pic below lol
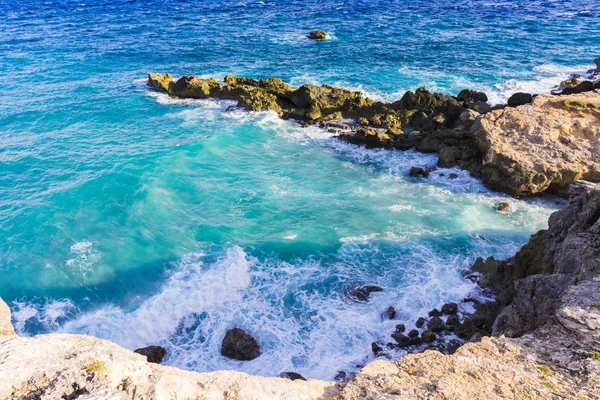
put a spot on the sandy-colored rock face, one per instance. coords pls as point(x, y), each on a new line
point(6, 328)
point(553, 141)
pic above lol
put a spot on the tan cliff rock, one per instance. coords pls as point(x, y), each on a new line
point(553, 141)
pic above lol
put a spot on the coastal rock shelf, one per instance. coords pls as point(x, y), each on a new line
point(554, 304)
point(523, 150)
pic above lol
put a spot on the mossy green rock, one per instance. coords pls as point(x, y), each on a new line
point(260, 100)
point(317, 35)
point(159, 81)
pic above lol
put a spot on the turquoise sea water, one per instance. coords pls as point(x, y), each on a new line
point(145, 220)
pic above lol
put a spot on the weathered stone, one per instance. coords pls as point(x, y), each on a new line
point(435, 324)
point(453, 320)
point(449, 308)
point(435, 313)
point(390, 313)
point(293, 376)
point(317, 35)
point(376, 348)
point(519, 99)
point(6, 327)
point(154, 354)
point(402, 340)
point(504, 206)
point(472, 96)
point(420, 322)
point(428, 336)
point(362, 293)
point(400, 328)
point(239, 345)
point(413, 333)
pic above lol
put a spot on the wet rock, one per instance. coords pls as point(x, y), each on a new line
point(362, 293)
point(584, 86)
point(413, 333)
point(435, 313)
point(448, 156)
point(376, 349)
point(400, 328)
point(317, 35)
point(468, 116)
point(453, 320)
point(472, 96)
point(292, 376)
point(519, 99)
point(341, 376)
point(160, 81)
point(416, 341)
point(435, 324)
point(390, 313)
point(154, 354)
point(452, 176)
point(428, 336)
point(452, 346)
point(480, 107)
point(239, 345)
point(420, 322)
point(450, 308)
point(402, 340)
point(421, 171)
point(504, 206)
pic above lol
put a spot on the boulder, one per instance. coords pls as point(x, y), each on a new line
point(317, 35)
point(362, 293)
point(376, 349)
point(435, 324)
point(480, 107)
point(420, 322)
point(239, 345)
point(504, 206)
point(448, 156)
point(159, 81)
point(400, 328)
point(472, 96)
point(413, 333)
point(453, 320)
point(435, 313)
point(583, 86)
point(519, 99)
point(421, 171)
point(154, 354)
point(450, 308)
point(428, 336)
point(403, 341)
point(292, 376)
point(390, 313)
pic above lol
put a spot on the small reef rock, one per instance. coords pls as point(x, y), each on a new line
point(154, 354)
point(317, 35)
point(534, 144)
point(361, 294)
point(239, 345)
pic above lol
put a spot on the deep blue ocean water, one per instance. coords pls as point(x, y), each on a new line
point(145, 220)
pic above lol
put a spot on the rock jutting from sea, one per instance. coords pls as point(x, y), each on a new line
point(543, 145)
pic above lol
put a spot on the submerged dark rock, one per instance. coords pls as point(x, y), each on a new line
point(376, 348)
point(472, 96)
point(362, 293)
point(402, 340)
point(154, 354)
point(400, 328)
point(390, 313)
point(239, 345)
point(504, 206)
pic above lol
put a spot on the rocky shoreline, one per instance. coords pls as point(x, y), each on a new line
point(545, 342)
point(528, 146)
point(539, 339)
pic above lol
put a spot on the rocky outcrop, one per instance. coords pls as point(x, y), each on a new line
point(239, 345)
point(531, 146)
point(6, 328)
point(548, 144)
point(317, 35)
point(533, 282)
point(154, 354)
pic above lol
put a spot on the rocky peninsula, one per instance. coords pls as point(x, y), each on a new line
point(530, 145)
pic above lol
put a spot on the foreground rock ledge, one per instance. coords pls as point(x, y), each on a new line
point(522, 150)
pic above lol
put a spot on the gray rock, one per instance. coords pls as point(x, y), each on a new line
point(449, 308)
point(420, 322)
point(362, 293)
point(435, 324)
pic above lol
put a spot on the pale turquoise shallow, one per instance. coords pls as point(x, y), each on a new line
point(141, 219)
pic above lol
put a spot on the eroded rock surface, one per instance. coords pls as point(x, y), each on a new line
point(550, 143)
